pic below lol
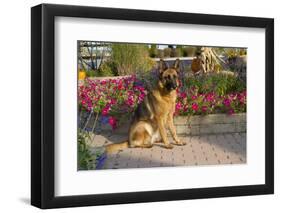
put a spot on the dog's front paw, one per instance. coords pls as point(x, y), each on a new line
point(168, 146)
point(180, 143)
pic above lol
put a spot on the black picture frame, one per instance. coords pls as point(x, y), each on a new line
point(43, 102)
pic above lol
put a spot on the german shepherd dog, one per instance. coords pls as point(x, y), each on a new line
point(151, 116)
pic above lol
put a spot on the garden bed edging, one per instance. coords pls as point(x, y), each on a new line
point(198, 124)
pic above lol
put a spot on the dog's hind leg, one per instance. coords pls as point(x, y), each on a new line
point(140, 138)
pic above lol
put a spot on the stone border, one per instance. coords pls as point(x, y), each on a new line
point(198, 124)
point(211, 124)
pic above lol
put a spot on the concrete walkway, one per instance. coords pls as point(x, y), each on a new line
point(199, 150)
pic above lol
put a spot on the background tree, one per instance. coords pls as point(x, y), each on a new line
point(131, 58)
point(176, 52)
point(160, 53)
point(188, 51)
point(153, 51)
point(167, 52)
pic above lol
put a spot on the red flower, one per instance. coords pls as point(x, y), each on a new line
point(178, 106)
point(120, 85)
point(105, 110)
point(226, 102)
point(112, 122)
point(194, 106)
point(183, 95)
point(103, 82)
point(210, 97)
point(113, 101)
point(204, 108)
point(194, 97)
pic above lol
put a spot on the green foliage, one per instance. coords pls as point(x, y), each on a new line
point(107, 69)
point(243, 51)
point(160, 53)
point(131, 58)
point(153, 51)
point(219, 50)
point(234, 52)
point(86, 158)
point(176, 52)
point(188, 51)
point(92, 73)
point(167, 52)
point(218, 83)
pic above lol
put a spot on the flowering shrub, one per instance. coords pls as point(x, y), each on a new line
point(218, 83)
point(208, 94)
point(192, 103)
point(115, 99)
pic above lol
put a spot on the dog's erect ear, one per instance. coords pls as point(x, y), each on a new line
point(162, 65)
point(177, 65)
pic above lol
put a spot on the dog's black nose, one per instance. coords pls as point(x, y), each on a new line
point(172, 87)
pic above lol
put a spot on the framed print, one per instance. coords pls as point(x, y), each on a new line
point(141, 106)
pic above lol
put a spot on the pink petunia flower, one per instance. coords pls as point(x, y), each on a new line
point(178, 106)
point(226, 102)
point(182, 95)
point(105, 110)
point(112, 121)
point(194, 106)
point(204, 108)
point(194, 97)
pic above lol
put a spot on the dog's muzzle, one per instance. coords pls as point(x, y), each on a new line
point(171, 86)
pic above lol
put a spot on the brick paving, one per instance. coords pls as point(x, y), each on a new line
point(228, 148)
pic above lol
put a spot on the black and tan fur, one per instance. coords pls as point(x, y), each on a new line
point(155, 113)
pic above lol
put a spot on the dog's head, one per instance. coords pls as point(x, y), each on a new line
point(168, 77)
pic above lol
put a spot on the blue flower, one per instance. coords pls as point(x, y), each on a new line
point(101, 161)
point(104, 119)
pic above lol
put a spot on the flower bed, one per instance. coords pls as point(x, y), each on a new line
point(191, 102)
point(115, 99)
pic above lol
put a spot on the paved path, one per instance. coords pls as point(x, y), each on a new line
point(199, 150)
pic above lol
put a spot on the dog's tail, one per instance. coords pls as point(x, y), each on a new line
point(112, 148)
